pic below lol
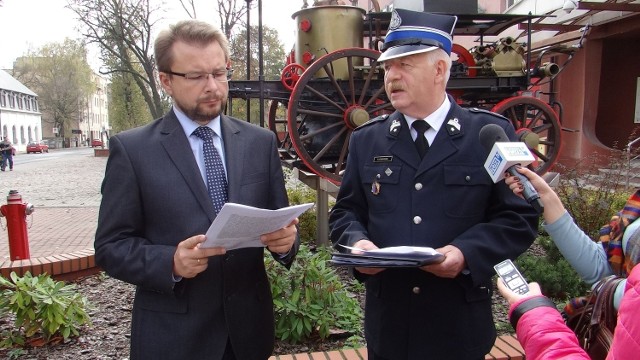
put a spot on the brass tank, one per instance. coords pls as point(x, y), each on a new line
point(324, 29)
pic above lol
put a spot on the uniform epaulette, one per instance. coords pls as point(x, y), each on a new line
point(478, 110)
point(374, 120)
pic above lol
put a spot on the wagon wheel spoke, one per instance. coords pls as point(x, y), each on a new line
point(343, 155)
point(352, 85)
point(319, 131)
point(375, 97)
point(367, 82)
point(328, 145)
point(334, 82)
point(319, 113)
point(540, 155)
point(323, 97)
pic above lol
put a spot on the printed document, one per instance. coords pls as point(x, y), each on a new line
point(240, 226)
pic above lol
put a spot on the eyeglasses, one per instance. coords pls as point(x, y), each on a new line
point(221, 76)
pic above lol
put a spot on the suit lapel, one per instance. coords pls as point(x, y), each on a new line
point(402, 145)
point(445, 143)
point(234, 149)
point(179, 151)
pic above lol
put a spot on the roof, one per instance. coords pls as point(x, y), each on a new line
point(8, 82)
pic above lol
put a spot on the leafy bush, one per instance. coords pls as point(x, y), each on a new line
point(557, 278)
point(300, 193)
point(591, 196)
point(40, 306)
point(310, 299)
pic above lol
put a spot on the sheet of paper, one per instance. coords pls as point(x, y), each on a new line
point(396, 250)
point(240, 226)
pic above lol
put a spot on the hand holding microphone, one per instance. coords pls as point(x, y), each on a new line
point(506, 156)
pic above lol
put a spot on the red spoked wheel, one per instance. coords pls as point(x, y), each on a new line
point(463, 56)
point(537, 125)
point(337, 93)
point(290, 75)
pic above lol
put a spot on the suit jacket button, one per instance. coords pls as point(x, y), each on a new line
point(418, 186)
point(416, 290)
point(417, 220)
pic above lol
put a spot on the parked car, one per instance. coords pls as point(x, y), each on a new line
point(96, 143)
point(37, 147)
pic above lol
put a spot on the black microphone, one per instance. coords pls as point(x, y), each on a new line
point(506, 156)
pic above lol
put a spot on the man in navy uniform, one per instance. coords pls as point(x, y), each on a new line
point(433, 192)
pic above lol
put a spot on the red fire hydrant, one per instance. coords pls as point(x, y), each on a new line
point(16, 213)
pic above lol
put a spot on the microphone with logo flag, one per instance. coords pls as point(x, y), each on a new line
point(506, 156)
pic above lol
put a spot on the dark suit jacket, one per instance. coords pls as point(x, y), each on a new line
point(447, 198)
point(153, 198)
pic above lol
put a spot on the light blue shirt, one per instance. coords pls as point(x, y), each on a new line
point(196, 143)
point(587, 257)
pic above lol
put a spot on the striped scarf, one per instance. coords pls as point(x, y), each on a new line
point(622, 260)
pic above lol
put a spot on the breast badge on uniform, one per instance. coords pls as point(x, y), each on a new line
point(453, 126)
point(375, 185)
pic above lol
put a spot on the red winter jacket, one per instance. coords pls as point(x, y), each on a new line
point(543, 334)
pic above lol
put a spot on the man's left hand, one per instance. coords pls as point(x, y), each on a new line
point(452, 265)
point(281, 240)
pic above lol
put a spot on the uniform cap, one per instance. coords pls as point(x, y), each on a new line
point(414, 32)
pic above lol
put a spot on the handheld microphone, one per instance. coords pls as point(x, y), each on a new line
point(506, 156)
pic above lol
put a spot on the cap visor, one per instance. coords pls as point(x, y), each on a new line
point(404, 50)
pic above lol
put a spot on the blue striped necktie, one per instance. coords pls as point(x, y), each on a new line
point(216, 178)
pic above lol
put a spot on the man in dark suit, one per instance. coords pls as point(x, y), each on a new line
point(391, 196)
point(192, 302)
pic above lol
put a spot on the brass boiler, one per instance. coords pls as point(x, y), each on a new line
point(324, 29)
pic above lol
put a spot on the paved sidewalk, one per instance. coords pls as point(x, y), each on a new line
point(64, 187)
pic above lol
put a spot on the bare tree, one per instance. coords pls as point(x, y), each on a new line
point(122, 29)
point(189, 8)
point(231, 13)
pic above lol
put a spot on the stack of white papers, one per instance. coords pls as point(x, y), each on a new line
point(240, 226)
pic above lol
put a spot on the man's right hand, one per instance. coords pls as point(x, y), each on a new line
point(189, 259)
point(366, 245)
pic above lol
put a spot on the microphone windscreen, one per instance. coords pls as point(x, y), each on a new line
point(490, 134)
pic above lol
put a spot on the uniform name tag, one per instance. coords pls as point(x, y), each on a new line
point(380, 159)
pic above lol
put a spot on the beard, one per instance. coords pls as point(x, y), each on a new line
point(202, 113)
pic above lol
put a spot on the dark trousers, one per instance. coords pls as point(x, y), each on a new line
point(6, 158)
point(228, 352)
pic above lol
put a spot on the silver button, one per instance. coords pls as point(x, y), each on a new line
point(418, 186)
point(467, 178)
point(416, 290)
point(417, 220)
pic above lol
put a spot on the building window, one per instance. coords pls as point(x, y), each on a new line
point(510, 3)
point(12, 100)
point(3, 98)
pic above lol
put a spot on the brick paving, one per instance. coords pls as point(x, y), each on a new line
point(64, 187)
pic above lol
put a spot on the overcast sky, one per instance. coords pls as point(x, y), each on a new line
point(29, 24)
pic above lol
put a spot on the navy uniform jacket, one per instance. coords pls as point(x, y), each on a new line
point(447, 198)
point(153, 197)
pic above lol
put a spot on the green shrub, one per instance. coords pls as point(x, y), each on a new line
point(557, 278)
point(302, 194)
point(40, 306)
point(592, 196)
point(311, 300)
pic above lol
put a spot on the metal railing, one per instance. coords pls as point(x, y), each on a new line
point(631, 157)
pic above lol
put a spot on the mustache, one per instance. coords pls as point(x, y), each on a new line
point(395, 86)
